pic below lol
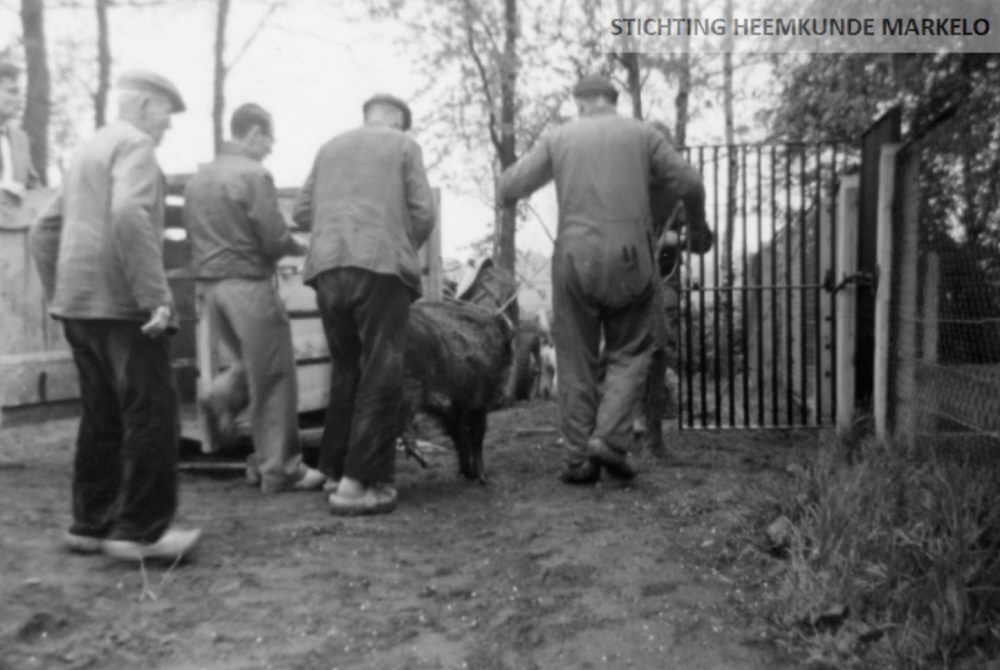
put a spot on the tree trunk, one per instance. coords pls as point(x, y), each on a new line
point(103, 65)
point(727, 85)
point(36, 111)
point(684, 85)
point(506, 256)
point(219, 83)
point(630, 60)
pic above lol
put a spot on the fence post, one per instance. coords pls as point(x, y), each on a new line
point(883, 297)
point(430, 256)
point(847, 299)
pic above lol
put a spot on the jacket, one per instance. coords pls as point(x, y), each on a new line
point(368, 204)
point(16, 177)
point(99, 245)
point(235, 225)
point(603, 165)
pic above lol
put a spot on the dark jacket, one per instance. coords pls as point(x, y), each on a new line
point(231, 212)
point(368, 204)
point(603, 165)
point(99, 245)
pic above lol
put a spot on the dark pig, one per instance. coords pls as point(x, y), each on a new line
point(458, 360)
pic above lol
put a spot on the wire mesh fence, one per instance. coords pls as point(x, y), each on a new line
point(944, 376)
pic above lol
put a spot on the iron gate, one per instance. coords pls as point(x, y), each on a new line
point(757, 312)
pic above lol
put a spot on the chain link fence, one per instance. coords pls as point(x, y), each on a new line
point(944, 376)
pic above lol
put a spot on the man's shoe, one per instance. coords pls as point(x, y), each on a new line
point(82, 544)
point(587, 472)
point(615, 462)
point(174, 545)
point(374, 499)
point(312, 480)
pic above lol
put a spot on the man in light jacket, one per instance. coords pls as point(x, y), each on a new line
point(99, 251)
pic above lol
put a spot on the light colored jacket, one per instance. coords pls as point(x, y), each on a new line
point(368, 204)
point(603, 165)
point(99, 245)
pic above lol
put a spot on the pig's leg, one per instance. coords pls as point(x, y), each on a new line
point(455, 425)
point(477, 433)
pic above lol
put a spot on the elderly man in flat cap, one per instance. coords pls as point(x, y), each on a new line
point(603, 268)
point(370, 207)
point(99, 251)
point(238, 235)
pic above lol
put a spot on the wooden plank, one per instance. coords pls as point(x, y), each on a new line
point(309, 339)
point(205, 340)
point(847, 304)
point(430, 256)
point(314, 387)
point(883, 297)
point(296, 296)
point(905, 350)
point(38, 377)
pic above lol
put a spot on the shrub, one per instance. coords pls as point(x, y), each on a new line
point(892, 556)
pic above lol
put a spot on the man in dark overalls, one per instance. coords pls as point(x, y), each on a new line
point(603, 269)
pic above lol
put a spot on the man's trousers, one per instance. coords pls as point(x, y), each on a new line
point(125, 469)
point(254, 333)
point(364, 316)
point(585, 408)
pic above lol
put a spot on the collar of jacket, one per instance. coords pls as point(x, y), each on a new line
point(230, 148)
point(600, 112)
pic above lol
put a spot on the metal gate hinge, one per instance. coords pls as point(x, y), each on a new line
point(869, 279)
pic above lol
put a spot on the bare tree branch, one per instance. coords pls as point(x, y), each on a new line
point(272, 8)
point(484, 77)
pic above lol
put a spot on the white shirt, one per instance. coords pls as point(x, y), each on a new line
point(7, 182)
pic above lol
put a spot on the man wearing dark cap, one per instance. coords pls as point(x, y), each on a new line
point(370, 207)
point(238, 235)
point(603, 269)
point(99, 252)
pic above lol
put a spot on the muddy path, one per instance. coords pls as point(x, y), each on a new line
point(523, 573)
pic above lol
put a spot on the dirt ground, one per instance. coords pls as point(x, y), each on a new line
point(522, 573)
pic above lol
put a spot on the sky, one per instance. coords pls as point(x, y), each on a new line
point(313, 66)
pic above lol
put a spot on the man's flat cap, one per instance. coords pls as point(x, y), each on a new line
point(141, 80)
point(386, 99)
point(595, 84)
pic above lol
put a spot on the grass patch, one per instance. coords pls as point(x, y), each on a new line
point(888, 555)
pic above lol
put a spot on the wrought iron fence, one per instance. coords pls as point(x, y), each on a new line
point(756, 321)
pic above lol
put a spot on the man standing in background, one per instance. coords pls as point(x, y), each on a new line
point(16, 173)
point(238, 234)
point(99, 252)
point(370, 207)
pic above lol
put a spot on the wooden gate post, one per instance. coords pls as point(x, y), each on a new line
point(430, 256)
point(847, 299)
point(883, 296)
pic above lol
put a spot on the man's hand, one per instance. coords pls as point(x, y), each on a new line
point(159, 321)
point(670, 238)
